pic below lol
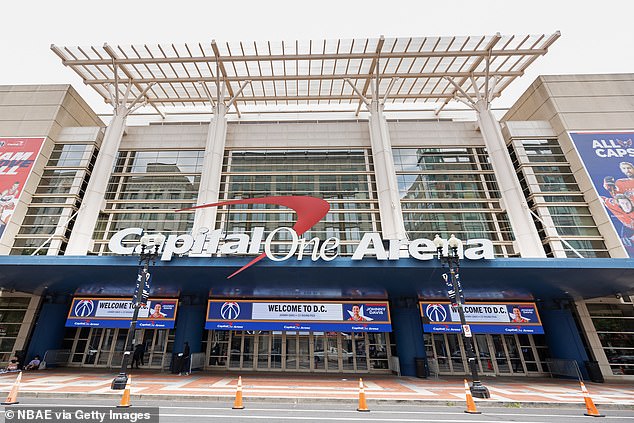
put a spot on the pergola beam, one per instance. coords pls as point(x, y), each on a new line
point(311, 73)
point(264, 78)
point(250, 99)
point(313, 56)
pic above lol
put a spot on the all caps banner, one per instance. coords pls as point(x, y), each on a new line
point(17, 156)
point(609, 159)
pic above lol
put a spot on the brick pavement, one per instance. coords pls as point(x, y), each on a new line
point(262, 386)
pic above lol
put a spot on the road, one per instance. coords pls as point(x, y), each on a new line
point(194, 412)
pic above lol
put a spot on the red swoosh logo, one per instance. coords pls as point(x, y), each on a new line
point(310, 210)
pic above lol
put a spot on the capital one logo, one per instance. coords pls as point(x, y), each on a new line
point(436, 312)
point(84, 308)
point(309, 210)
point(230, 310)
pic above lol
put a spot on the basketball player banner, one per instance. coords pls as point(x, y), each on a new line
point(608, 157)
point(17, 156)
point(495, 318)
point(322, 316)
point(117, 313)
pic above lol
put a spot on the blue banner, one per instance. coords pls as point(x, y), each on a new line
point(324, 316)
point(609, 159)
point(496, 318)
point(117, 313)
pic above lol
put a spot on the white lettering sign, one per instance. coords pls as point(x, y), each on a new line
point(117, 309)
point(297, 311)
point(208, 243)
point(482, 313)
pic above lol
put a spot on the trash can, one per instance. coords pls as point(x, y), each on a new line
point(422, 370)
point(594, 371)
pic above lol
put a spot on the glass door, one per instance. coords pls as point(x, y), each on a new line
point(501, 355)
point(299, 351)
point(290, 358)
point(483, 354)
point(264, 355)
point(496, 354)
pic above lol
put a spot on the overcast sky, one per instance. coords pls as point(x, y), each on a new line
point(597, 36)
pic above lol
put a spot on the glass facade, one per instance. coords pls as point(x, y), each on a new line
point(344, 178)
point(614, 324)
point(47, 225)
point(144, 190)
point(552, 193)
point(12, 313)
point(451, 191)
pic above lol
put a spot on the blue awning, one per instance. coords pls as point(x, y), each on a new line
point(342, 277)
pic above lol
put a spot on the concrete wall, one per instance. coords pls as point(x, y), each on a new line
point(572, 103)
point(38, 111)
point(581, 103)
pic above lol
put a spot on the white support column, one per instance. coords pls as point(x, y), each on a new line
point(80, 241)
point(528, 243)
point(209, 191)
point(386, 184)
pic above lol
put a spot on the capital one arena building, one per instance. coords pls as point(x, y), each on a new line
point(393, 139)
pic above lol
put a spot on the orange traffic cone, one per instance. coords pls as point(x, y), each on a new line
point(237, 404)
point(471, 407)
point(363, 406)
point(125, 398)
point(12, 398)
point(591, 410)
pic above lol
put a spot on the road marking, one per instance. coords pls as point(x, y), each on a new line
point(361, 419)
point(392, 412)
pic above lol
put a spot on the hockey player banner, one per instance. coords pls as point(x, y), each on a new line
point(609, 159)
point(17, 156)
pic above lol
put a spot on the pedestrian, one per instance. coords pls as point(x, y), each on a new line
point(142, 354)
point(137, 355)
point(185, 360)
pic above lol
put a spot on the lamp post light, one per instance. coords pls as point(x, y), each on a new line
point(454, 291)
point(150, 246)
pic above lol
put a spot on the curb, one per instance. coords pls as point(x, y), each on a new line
point(308, 400)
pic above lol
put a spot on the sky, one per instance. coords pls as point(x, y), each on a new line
point(597, 36)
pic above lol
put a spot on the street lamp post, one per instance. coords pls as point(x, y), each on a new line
point(454, 291)
point(150, 246)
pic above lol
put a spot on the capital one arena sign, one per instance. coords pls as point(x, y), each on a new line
point(309, 210)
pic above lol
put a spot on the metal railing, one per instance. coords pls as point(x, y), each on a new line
point(562, 367)
point(196, 361)
point(434, 368)
point(54, 358)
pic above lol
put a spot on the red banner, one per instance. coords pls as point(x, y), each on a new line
point(17, 156)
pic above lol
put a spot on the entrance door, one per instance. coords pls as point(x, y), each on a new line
point(299, 351)
point(496, 354)
point(103, 347)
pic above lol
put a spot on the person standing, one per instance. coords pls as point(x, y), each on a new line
point(185, 360)
point(137, 355)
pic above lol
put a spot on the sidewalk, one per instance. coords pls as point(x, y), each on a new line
point(535, 392)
